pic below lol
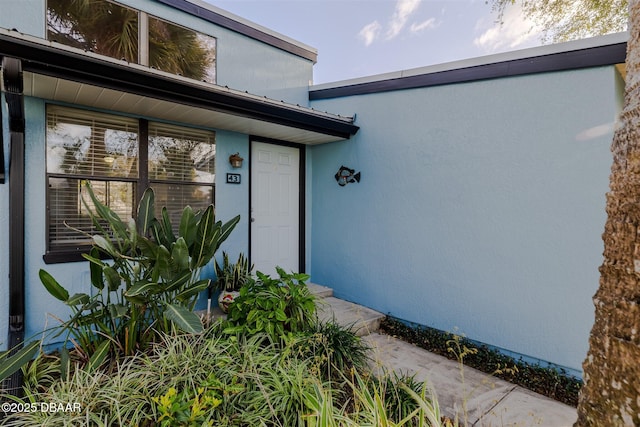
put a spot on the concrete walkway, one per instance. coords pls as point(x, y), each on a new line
point(486, 401)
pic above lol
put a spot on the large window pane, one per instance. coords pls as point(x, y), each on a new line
point(108, 28)
point(99, 26)
point(182, 51)
point(91, 144)
point(68, 214)
point(175, 197)
point(178, 162)
point(181, 154)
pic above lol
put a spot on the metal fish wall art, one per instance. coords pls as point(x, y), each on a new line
point(346, 176)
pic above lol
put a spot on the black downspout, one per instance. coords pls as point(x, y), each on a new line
point(13, 84)
point(2, 175)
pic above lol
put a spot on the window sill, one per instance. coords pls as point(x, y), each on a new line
point(62, 256)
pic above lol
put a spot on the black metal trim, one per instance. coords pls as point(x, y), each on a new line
point(244, 29)
point(143, 159)
point(2, 172)
point(16, 236)
point(577, 59)
point(302, 195)
point(75, 66)
point(13, 84)
point(302, 220)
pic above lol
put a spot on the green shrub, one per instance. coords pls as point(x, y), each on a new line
point(333, 349)
point(189, 407)
point(222, 380)
point(151, 283)
point(399, 403)
point(370, 407)
point(232, 276)
point(277, 307)
point(11, 362)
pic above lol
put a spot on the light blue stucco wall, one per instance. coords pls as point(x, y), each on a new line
point(233, 199)
point(242, 63)
point(481, 207)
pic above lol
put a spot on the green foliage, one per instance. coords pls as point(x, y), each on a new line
point(564, 20)
point(10, 363)
point(105, 398)
point(554, 383)
point(233, 276)
point(187, 407)
point(333, 349)
point(217, 379)
point(399, 403)
point(276, 307)
point(370, 407)
point(150, 283)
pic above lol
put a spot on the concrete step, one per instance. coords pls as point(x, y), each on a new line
point(319, 290)
point(363, 320)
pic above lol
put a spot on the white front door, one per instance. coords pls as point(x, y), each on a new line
point(275, 207)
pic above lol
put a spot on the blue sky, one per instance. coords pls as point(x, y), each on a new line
point(357, 38)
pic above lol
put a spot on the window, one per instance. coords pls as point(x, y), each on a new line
point(107, 28)
point(102, 27)
point(178, 50)
point(120, 156)
point(181, 168)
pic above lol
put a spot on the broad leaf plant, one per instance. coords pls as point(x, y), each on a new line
point(145, 278)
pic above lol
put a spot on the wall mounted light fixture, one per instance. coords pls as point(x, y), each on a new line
point(235, 160)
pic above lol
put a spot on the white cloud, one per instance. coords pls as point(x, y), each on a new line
point(429, 23)
point(515, 31)
point(404, 9)
point(370, 32)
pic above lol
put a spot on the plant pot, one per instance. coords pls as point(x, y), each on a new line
point(226, 298)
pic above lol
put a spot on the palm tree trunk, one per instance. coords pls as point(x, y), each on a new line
point(611, 394)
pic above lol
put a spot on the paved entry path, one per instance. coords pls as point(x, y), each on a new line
point(486, 401)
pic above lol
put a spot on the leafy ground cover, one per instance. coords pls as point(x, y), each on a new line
point(271, 363)
point(553, 383)
point(223, 379)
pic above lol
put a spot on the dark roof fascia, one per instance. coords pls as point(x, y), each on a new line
point(44, 59)
point(241, 28)
point(571, 60)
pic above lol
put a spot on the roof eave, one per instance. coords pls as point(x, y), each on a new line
point(42, 57)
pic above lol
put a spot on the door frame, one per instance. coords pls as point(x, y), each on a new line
point(302, 191)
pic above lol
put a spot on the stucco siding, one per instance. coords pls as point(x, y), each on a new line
point(480, 208)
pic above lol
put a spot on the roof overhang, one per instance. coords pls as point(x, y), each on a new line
point(574, 55)
point(64, 74)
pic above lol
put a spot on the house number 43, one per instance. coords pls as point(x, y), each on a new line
point(233, 178)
